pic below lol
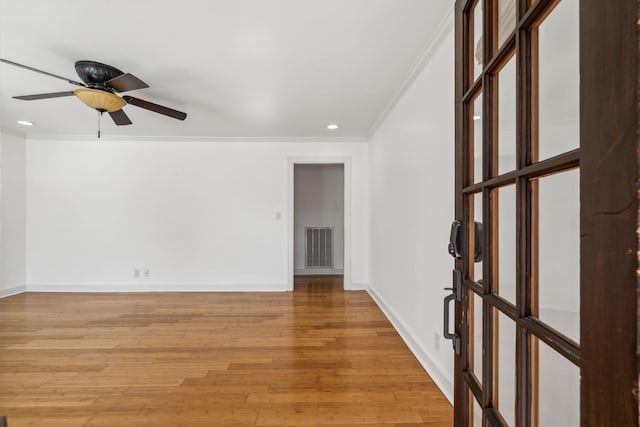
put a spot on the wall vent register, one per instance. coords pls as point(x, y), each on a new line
point(318, 247)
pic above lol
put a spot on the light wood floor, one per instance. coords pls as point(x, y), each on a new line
point(316, 356)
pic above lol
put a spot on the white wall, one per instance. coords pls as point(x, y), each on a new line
point(318, 202)
point(12, 214)
point(200, 215)
point(411, 173)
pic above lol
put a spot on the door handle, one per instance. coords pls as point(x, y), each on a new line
point(455, 295)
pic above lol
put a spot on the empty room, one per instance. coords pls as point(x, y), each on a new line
point(319, 213)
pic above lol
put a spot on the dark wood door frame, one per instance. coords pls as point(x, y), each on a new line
point(609, 213)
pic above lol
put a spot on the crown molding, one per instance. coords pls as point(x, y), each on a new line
point(444, 28)
point(107, 138)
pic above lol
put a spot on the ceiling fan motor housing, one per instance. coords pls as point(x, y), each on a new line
point(95, 74)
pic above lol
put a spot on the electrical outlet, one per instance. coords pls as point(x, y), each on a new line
point(147, 272)
point(136, 273)
point(436, 340)
point(278, 216)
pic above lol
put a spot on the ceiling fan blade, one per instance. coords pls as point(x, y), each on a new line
point(126, 82)
point(43, 96)
point(120, 118)
point(155, 107)
point(15, 64)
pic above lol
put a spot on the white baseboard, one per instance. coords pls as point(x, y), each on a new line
point(358, 286)
point(433, 368)
point(319, 271)
point(155, 287)
point(13, 290)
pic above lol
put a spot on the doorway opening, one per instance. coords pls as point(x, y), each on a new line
point(318, 226)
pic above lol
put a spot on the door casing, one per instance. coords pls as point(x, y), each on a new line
point(346, 162)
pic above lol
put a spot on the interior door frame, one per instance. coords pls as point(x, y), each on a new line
point(609, 214)
point(346, 162)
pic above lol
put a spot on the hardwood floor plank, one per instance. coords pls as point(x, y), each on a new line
point(352, 414)
point(316, 356)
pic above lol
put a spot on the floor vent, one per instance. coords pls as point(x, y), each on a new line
point(319, 247)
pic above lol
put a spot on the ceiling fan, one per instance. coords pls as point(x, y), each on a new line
point(100, 84)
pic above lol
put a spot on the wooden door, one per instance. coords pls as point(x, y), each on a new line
point(547, 163)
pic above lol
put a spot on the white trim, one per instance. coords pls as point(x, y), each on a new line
point(444, 28)
point(359, 286)
point(14, 290)
point(346, 161)
point(155, 287)
point(317, 271)
point(433, 368)
point(178, 138)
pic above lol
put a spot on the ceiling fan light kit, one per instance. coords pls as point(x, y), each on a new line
point(100, 83)
point(100, 100)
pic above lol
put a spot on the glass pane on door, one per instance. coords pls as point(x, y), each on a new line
point(507, 117)
point(558, 389)
point(506, 278)
point(476, 333)
point(475, 267)
point(559, 252)
point(476, 131)
point(476, 42)
point(506, 19)
point(559, 81)
point(506, 367)
point(477, 412)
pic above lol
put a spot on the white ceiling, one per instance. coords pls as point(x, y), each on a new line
point(239, 68)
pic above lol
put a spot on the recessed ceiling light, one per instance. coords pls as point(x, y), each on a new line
point(24, 123)
point(332, 126)
point(477, 117)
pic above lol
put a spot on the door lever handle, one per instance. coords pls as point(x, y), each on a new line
point(455, 295)
point(450, 335)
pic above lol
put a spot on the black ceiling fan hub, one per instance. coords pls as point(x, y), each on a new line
point(95, 74)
